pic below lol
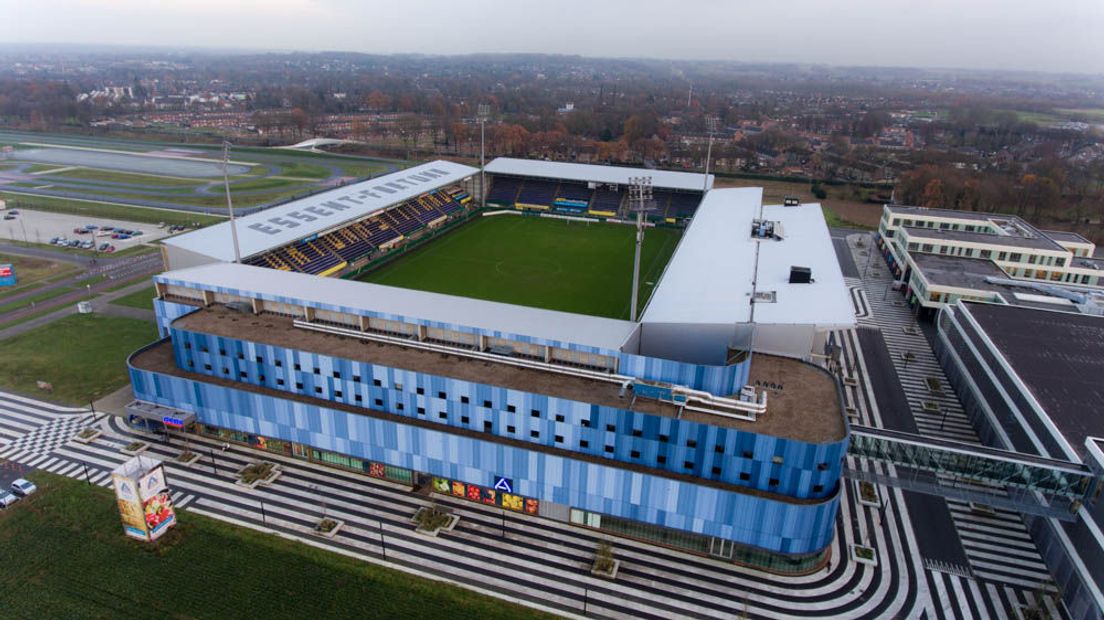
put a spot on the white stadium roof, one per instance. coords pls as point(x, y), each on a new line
point(283, 224)
point(713, 272)
point(355, 296)
point(590, 173)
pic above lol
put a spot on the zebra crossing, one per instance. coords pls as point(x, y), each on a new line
point(1004, 560)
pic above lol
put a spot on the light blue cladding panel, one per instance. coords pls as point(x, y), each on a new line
point(774, 464)
point(779, 526)
point(167, 312)
point(721, 380)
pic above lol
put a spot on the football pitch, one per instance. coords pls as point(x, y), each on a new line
point(541, 262)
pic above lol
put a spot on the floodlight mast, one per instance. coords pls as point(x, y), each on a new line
point(711, 127)
point(484, 111)
point(229, 203)
point(640, 198)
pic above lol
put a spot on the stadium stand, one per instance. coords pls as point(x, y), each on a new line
point(504, 191)
point(331, 252)
point(537, 194)
point(607, 202)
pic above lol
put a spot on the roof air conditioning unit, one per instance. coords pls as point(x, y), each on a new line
point(801, 275)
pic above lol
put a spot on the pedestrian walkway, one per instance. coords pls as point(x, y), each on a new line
point(986, 534)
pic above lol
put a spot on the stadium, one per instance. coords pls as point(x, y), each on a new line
point(480, 345)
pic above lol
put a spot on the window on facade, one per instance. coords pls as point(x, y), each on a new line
point(745, 476)
point(318, 371)
point(818, 488)
point(222, 351)
point(358, 398)
point(777, 460)
point(559, 438)
point(204, 349)
point(1031, 259)
point(609, 449)
point(226, 371)
point(487, 426)
point(663, 437)
point(719, 449)
point(636, 432)
point(688, 465)
point(584, 443)
point(298, 367)
point(511, 429)
point(748, 454)
point(534, 413)
point(559, 418)
point(822, 466)
point(691, 443)
point(191, 364)
point(420, 391)
point(442, 395)
point(400, 406)
point(241, 356)
point(188, 346)
point(261, 378)
point(464, 419)
point(442, 414)
point(1015, 257)
point(773, 482)
point(534, 434)
point(279, 382)
point(421, 410)
point(243, 374)
point(511, 409)
point(635, 454)
point(260, 360)
point(661, 459)
point(585, 423)
point(299, 385)
point(317, 390)
point(378, 402)
point(716, 471)
point(279, 363)
point(338, 393)
point(611, 428)
point(927, 247)
point(398, 386)
point(464, 400)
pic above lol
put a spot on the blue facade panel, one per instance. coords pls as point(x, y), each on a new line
point(724, 454)
point(167, 312)
point(785, 527)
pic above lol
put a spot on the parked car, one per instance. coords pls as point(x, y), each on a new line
point(7, 499)
point(9, 217)
point(13, 212)
point(23, 487)
point(91, 227)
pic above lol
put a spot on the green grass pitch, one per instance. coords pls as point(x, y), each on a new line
point(541, 262)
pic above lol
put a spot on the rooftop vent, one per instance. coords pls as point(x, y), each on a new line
point(791, 201)
point(801, 275)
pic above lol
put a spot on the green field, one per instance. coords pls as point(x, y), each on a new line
point(32, 272)
point(142, 299)
point(546, 263)
point(106, 210)
point(65, 556)
point(83, 356)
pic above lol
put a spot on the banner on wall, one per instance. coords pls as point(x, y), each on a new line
point(487, 495)
point(7, 274)
point(142, 495)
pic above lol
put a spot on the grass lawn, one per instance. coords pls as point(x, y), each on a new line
point(105, 210)
point(65, 556)
point(36, 298)
point(539, 262)
point(142, 299)
point(31, 271)
point(82, 355)
point(302, 170)
point(95, 174)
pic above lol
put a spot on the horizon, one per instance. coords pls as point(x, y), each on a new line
point(984, 36)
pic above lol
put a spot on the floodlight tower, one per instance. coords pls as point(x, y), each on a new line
point(711, 127)
point(229, 203)
point(640, 199)
point(483, 112)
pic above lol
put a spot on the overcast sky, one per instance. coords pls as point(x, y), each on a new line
point(1055, 35)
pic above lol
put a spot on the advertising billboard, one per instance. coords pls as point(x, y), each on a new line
point(7, 274)
point(142, 495)
point(157, 510)
point(130, 507)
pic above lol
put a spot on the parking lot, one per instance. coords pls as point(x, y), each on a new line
point(42, 226)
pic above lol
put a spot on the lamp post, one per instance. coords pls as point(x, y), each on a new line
point(640, 197)
point(483, 112)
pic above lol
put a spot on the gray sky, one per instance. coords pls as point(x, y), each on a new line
point(1058, 35)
